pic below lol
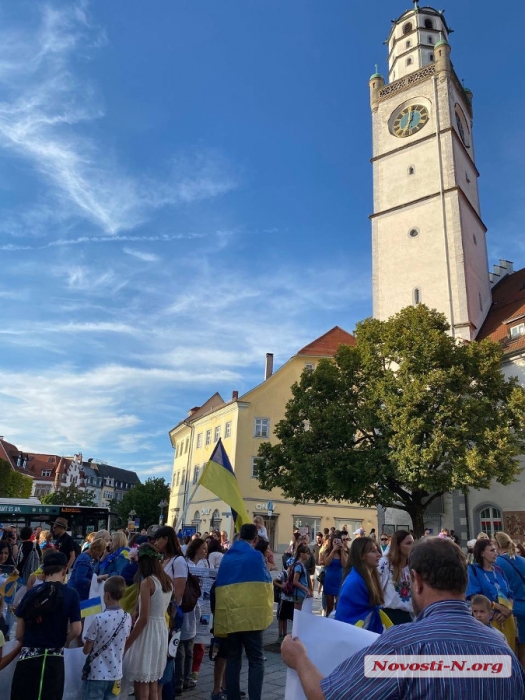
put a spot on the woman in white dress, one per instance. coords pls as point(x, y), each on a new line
point(395, 578)
point(148, 641)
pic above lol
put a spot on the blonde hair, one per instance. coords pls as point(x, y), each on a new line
point(104, 534)
point(504, 542)
point(44, 536)
point(483, 536)
point(118, 540)
point(97, 547)
point(258, 520)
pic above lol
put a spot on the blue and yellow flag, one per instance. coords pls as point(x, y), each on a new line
point(92, 606)
point(9, 587)
point(218, 477)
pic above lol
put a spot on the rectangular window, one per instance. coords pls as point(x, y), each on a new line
point(208, 437)
point(309, 365)
point(518, 330)
point(186, 445)
point(217, 433)
point(228, 429)
point(196, 470)
point(46, 472)
point(255, 468)
point(307, 525)
point(262, 427)
point(199, 440)
point(177, 479)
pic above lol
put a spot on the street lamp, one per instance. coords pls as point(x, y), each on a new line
point(162, 505)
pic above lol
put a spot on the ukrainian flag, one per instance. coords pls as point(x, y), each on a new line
point(243, 592)
point(92, 606)
point(218, 477)
point(9, 587)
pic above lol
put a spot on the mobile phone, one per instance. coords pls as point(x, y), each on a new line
point(338, 541)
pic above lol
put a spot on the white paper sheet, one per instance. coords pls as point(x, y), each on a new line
point(328, 643)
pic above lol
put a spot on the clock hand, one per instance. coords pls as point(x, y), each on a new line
point(407, 127)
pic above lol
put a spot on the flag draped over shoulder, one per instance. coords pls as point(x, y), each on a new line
point(243, 592)
point(219, 478)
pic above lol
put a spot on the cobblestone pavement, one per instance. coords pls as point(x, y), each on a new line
point(274, 670)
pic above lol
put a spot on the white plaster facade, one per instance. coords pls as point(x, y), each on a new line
point(428, 239)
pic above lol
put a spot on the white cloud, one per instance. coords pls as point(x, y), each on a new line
point(44, 104)
point(141, 255)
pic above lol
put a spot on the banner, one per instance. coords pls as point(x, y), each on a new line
point(340, 641)
point(205, 621)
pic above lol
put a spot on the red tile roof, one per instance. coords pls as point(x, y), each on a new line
point(508, 305)
point(328, 344)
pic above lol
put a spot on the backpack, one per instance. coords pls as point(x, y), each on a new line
point(288, 587)
point(192, 593)
point(40, 602)
point(31, 563)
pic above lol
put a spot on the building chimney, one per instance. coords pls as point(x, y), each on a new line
point(235, 395)
point(268, 370)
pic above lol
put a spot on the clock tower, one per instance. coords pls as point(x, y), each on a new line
point(428, 238)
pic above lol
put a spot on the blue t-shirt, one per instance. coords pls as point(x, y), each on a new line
point(52, 631)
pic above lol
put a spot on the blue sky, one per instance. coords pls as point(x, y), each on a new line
point(186, 186)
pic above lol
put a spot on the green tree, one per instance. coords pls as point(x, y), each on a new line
point(144, 499)
point(406, 415)
point(70, 496)
point(12, 483)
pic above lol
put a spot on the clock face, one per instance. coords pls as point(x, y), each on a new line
point(461, 124)
point(410, 120)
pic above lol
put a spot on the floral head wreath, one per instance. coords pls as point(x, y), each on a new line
point(150, 552)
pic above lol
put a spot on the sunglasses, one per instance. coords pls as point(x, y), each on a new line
point(384, 539)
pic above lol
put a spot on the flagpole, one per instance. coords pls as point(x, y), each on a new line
point(182, 517)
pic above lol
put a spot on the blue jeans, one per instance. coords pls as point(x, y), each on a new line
point(253, 645)
point(99, 690)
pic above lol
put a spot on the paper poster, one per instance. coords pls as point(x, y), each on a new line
point(205, 621)
point(340, 641)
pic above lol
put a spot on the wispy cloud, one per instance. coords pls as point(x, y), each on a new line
point(39, 120)
point(161, 238)
point(142, 255)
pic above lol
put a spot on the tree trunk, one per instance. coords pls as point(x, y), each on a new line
point(417, 513)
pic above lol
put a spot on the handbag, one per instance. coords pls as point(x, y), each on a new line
point(192, 592)
point(87, 665)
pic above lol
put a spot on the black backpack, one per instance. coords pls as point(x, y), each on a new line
point(40, 602)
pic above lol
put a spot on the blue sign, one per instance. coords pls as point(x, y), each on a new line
point(269, 505)
point(137, 523)
point(189, 531)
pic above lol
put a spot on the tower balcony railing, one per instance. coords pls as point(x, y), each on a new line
point(407, 81)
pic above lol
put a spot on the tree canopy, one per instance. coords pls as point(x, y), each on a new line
point(12, 483)
point(406, 415)
point(144, 499)
point(70, 496)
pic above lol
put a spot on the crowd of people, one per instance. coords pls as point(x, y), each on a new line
point(405, 591)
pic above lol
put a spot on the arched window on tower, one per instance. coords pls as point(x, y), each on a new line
point(407, 28)
point(411, 170)
point(430, 39)
point(428, 24)
point(417, 296)
point(409, 61)
point(407, 45)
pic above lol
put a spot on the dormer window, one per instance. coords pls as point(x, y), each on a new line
point(518, 330)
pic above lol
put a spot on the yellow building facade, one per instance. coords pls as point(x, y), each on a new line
point(244, 423)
